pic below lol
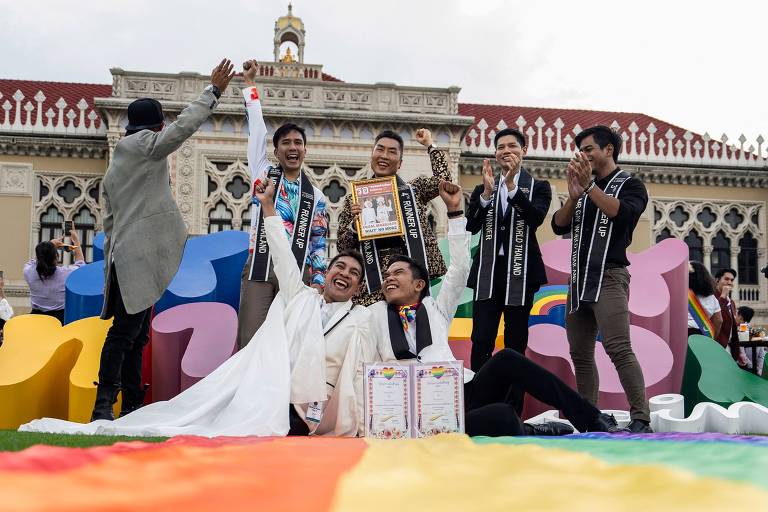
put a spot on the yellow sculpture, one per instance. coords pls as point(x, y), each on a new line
point(47, 370)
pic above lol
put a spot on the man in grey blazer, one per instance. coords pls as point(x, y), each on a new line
point(145, 236)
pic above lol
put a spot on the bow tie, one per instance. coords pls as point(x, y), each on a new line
point(408, 314)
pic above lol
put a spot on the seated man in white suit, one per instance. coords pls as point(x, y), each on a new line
point(409, 324)
point(346, 331)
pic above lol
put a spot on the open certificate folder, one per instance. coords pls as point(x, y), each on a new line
point(387, 401)
point(438, 398)
point(413, 400)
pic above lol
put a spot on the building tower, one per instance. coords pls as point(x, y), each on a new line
point(289, 29)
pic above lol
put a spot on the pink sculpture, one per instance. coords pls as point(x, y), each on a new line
point(189, 342)
point(657, 303)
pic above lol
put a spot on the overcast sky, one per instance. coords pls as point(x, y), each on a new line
point(697, 64)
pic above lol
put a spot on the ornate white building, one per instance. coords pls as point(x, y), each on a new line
point(56, 138)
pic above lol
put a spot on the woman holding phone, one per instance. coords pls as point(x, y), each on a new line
point(46, 278)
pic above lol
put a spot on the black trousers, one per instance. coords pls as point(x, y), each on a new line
point(509, 373)
point(121, 356)
point(56, 313)
point(486, 315)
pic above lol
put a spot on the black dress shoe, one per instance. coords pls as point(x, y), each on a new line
point(549, 428)
point(604, 423)
point(638, 427)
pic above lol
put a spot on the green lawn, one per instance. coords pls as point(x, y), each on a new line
point(11, 440)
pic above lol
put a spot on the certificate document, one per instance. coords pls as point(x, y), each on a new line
point(438, 403)
point(387, 400)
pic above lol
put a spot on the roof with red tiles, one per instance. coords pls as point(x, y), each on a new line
point(72, 93)
point(570, 118)
point(330, 78)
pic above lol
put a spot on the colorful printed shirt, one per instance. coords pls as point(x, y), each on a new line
point(287, 204)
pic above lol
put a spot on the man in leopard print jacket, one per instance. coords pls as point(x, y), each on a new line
point(386, 158)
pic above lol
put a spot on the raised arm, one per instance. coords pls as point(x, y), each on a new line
point(258, 164)
point(427, 187)
point(166, 141)
point(455, 279)
point(346, 238)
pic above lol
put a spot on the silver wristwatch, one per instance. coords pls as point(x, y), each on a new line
point(215, 90)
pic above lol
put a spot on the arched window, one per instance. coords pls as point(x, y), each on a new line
point(51, 224)
point(334, 191)
point(85, 225)
point(219, 218)
point(695, 246)
point(721, 252)
point(663, 235)
point(748, 259)
point(245, 223)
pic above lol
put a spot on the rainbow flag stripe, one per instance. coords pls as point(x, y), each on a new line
point(450, 472)
point(549, 297)
point(699, 315)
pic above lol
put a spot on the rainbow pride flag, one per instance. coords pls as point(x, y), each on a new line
point(678, 472)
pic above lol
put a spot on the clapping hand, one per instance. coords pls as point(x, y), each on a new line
point(488, 180)
point(222, 74)
point(581, 167)
point(424, 137)
point(579, 174)
point(510, 168)
point(451, 195)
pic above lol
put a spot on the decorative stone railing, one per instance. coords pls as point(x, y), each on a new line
point(293, 70)
point(294, 93)
point(30, 117)
point(639, 145)
point(749, 293)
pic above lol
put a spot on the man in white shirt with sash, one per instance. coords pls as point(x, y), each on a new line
point(603, 207)
point(301, 205)
point(409, 325)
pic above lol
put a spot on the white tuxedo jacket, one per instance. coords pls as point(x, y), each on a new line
point(440, 310)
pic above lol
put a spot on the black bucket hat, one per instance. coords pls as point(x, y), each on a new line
point(144, 113)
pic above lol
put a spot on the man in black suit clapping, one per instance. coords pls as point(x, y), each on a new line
point(507, 269)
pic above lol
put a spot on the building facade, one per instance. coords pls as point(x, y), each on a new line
point(56, 139)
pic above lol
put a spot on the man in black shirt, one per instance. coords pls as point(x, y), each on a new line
point(603, 207)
